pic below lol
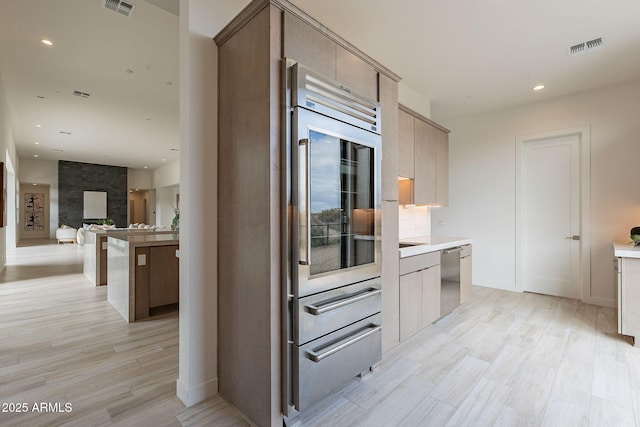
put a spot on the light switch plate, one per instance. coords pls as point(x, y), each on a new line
point(105, 245)
point(142, 259)
point(177, 253)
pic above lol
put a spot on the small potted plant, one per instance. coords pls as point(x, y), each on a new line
point(175, 223)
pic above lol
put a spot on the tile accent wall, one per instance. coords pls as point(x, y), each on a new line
point(414, 221)
point(75, 178)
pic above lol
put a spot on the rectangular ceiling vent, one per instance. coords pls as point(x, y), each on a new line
point(119, 6)
point(580, 48)
point(81, 94)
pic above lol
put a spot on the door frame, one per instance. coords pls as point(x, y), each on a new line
point(584, 141)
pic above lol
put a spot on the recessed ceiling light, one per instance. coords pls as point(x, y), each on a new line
point(38, 125)
point(37, 143)
point(174, 149)
point(47, 42)
point(34, 184)
point(538, 87)
point(128, 71)
point(64, 132)
point(39, 96)
point(35, 155)
point(57, 150)
point(169, 83)
point(146, 167)
point(164, 160)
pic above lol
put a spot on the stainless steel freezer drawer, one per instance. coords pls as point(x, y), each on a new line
point(328, 362)
point(328, 311)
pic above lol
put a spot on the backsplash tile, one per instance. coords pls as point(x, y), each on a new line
point(414, 221)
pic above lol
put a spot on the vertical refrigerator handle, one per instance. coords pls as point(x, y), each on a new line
point(304, 210)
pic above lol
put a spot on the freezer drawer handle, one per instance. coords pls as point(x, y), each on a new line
point(346, 300)
point(452, 250)
point(317, 357)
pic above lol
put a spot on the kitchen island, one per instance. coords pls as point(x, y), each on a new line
point(628, 272)
point(143, 274)
point(95, 251)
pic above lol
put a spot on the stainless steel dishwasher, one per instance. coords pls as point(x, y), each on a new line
point(450, 274)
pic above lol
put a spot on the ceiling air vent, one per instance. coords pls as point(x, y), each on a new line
point(119, 6)
point(81, 94)
point(584, 47)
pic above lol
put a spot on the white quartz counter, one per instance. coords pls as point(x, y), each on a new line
point(425, 244)
point(138, 240)
point(626, 250)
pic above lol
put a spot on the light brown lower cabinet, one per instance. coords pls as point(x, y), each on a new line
point(419, 300)
point(430, 295)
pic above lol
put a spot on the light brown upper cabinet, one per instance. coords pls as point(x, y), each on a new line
point(315, 50)
point(442, 168)
point(424, 186)
point(406, 133)
point(423, 154)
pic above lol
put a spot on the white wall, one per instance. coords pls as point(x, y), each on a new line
point(36, 171)
point(165, 202)
point(198, 352)
point(7, 148)
point(482, 179)
point(139, 178)
point(408, 97)
point(166, 175)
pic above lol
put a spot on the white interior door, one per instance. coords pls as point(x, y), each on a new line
point(551, 216)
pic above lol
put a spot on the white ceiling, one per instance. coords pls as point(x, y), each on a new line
point(467, 56)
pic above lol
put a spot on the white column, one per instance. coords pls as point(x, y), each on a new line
point(198, 378)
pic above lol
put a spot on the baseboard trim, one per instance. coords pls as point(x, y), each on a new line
point(193, 395)
point(605, 302)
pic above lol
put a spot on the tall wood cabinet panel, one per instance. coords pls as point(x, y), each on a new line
point(388, 90)
point(442, 169)
point(309, 46)
point(249, 341)
point(390, 276)
point(406, 147)
point(424, 186)
point(389, 103)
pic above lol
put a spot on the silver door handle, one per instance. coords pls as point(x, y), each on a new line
point(323, 307)
point(317, 357)
point(304, 208)
point(572, 237)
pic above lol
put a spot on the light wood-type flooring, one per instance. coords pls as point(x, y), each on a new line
point(503, 359)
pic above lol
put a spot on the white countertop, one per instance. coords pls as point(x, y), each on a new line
point(626, 250)
point(427, 244)
point(137, 240)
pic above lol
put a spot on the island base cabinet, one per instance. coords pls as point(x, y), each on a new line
point(629, 298)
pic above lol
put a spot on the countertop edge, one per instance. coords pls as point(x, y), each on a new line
point(426, 248)
point(626, 250)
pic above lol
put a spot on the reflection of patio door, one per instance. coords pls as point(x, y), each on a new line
point(34, 211)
